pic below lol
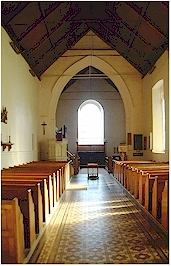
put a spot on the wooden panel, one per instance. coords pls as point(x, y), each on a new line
point(165, 206)
point(100, 148)
point(92, 157)
point(157, 190)
point(12, 234)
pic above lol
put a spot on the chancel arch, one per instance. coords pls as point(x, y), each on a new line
point(73, 70)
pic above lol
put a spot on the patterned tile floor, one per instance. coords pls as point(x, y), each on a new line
point(97, 223)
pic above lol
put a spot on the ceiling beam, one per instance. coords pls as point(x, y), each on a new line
point(144, 16)
point(67, 41)
point(107, 36)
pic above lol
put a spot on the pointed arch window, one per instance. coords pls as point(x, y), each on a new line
point(158, 110)
point(90, 123)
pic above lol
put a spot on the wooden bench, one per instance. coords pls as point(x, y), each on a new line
point(40, 164)
point(129, 168)
point(109, 164)
point(14, 183)
point(45, 186)
point(146, 182)
point(157, 190)
point(119, 169)
point(27, 208)
point(12, 233)
point(12, 186)
point(36, 175)
point(143, 176)
point(53, 187)
point(131, 172)
point(52, 178)
point(66, 170)
point(135, 173)
point(154, 186)
point(75, 162)
point(165, 205)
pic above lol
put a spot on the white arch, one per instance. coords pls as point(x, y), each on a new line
point(73, 70)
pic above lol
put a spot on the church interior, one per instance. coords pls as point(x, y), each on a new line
point(84, 132)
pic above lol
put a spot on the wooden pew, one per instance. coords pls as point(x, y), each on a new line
point(56, 183)
point(52, 187)
point(27, 208)
point(53, 178)
point(41, 165)
point(139, 177)
point(136, 175)
point(15, 184)
point(43, 169)
point(109, 164)
point(149, 182)
point(165, 205)
point(142, 176)
point(116, 168)
point(120, 168)
point(131, 172)
point(12, 234)
point(44, 186)
point(157, 189)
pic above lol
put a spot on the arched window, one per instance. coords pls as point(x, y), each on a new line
point(158, 111)
point(90, 123)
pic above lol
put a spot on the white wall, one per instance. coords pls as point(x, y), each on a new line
point(161, 72)
point(107, 96)
point(19, 94)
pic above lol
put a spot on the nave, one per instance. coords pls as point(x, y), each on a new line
point(98, 222)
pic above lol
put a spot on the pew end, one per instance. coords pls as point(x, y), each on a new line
point(13, 250)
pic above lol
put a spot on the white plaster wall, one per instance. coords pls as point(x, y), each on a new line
point(19, 94)
point(161, 72)
point(107, 96)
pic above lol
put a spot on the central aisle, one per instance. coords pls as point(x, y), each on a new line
point(97, 223)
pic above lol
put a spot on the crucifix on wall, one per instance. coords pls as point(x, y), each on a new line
point(44, 124)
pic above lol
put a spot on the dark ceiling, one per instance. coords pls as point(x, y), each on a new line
point(43, 30)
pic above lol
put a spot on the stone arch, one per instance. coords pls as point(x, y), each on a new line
point(73, 70)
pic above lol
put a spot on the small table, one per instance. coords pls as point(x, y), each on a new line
point(92, 174)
